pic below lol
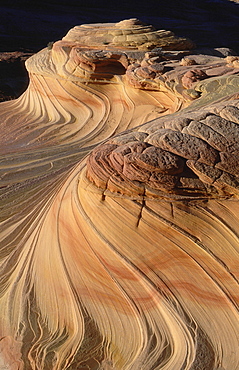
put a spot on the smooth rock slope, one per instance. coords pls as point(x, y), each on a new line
point(119, 205)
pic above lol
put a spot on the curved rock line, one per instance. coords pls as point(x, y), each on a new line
point(126, 258)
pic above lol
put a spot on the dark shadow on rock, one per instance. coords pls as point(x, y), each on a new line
point(14, 77)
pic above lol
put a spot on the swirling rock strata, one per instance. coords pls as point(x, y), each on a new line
point(128, 258)
point(78, 90)
point(171, 209)
point(84, 89)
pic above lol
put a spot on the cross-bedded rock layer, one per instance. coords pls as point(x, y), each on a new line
point(128, 258)
point(79, 88)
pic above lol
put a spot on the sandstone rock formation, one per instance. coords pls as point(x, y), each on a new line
point(126, 258)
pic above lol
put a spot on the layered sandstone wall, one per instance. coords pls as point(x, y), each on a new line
point(119, 205)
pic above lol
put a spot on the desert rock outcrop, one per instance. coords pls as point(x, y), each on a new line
point(119, 205)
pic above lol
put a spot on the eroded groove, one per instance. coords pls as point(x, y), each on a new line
point(119, 249)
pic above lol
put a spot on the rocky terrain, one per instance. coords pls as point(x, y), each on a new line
point(27, 27)
point(119, 189)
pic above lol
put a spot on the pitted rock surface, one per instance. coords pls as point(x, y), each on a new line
point(119, 210)
point(198, 158)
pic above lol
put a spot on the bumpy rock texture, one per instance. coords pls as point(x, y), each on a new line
point(126, 258)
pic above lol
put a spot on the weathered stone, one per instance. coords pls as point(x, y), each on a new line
point(193, 76)
point(119, 219)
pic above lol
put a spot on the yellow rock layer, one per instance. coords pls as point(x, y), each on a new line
point(127, 258)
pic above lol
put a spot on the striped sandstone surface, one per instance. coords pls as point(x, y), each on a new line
point(119, 205)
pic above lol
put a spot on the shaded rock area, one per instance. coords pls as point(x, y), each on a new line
point(13, 75)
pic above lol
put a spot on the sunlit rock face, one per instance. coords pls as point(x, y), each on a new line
point(127, 34)
point(182, 156)
point(79, 90)
point(127, 258)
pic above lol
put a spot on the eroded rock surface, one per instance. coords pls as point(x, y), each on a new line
point(126, 258)
point(101, 80)
point(79, 90)
point(184, 157)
